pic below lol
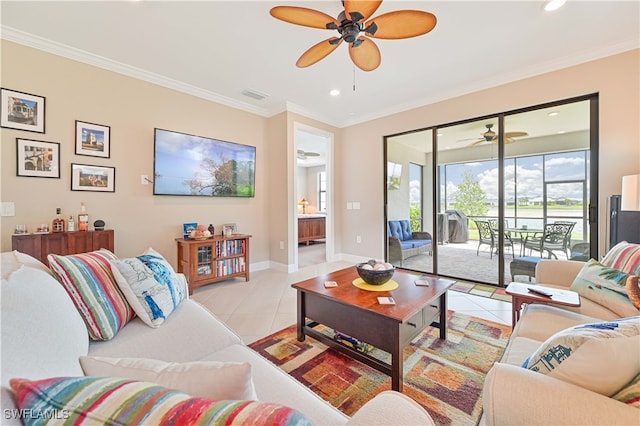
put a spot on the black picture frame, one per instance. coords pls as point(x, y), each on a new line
point(22, 111)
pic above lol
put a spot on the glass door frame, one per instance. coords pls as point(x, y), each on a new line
point(592, 209)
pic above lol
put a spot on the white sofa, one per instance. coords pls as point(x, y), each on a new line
point(43, 336)
point(514, 395)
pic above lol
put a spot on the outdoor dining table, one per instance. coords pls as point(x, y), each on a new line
point(524, 233)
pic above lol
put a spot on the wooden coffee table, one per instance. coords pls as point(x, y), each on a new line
point(521, 295)
point(357, 313)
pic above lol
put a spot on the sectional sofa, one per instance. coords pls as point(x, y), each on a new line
point(44, 336)
point(583, 388)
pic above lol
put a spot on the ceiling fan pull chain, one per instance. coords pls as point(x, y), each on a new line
point(354, 78)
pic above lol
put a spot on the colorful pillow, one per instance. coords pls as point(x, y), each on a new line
point(602, 357)
point(104, 400)
point(625, 257)
point(630, 394)
point(605, 286)
point(88, 279)
point(152, 300)
point(205, 379)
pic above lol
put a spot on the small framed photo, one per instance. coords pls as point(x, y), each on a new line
point(93, 140)
point(93, 178)
point(21, 111)
point(38, 158)
point(229, 229)
point(187, 228)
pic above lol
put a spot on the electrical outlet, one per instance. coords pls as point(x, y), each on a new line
point(144, 179)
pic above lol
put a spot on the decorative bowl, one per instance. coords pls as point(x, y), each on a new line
point(372, 277)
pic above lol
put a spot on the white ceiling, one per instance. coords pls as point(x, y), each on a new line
point(218, 49)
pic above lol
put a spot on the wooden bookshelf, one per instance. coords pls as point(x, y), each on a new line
point(212, 260)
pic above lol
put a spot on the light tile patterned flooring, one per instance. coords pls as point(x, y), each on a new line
point(267, 303)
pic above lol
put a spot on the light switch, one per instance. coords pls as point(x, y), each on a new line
point(356, 205)
point(349, 206)
point(8, 208)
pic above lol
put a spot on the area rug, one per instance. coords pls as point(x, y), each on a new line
point(482, 290)
point(445, 377)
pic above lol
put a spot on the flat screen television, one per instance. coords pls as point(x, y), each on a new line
point(199, 166)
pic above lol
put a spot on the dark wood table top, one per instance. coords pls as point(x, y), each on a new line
point(409, 297)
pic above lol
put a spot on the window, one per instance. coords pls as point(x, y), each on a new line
point(322, 192)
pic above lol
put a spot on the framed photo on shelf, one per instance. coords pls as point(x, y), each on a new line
point(187, 228)
point(93, 178)
point(92, 139)
point(21, 111)
point(37, 158)
point(229, 229)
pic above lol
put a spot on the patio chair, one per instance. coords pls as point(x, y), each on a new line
point(556, 237)
point(489, 236)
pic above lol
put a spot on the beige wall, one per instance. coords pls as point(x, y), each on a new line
point(75, 91)
point(615, 78)
point(133, 108)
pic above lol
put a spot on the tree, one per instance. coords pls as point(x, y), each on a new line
point(470, 198)
point(219, 178)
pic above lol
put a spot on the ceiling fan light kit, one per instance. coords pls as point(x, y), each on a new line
point(355, 28)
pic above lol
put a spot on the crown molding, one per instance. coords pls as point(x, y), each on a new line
point(59, 49)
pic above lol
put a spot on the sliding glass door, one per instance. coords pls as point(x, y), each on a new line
point(490, 185)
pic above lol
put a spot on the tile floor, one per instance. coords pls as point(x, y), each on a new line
point(267, 303)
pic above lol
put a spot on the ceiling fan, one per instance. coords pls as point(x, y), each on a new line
point(302, 155)
point(491, 136)
point(352, 21)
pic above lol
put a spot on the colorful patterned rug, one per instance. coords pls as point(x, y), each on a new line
point(445, 377)
point(483, 290)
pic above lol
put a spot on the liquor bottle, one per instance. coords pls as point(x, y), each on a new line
point(83, 219)
point(58, 223)
point(71, 224)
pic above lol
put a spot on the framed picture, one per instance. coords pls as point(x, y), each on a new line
point(187, 228)
point(229, 229)
point(21, 111)
point(92, 139)
point(38, 158)
point(93, 178)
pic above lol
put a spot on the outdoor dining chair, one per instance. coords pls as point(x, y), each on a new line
point(556, 237)
point(489, 236)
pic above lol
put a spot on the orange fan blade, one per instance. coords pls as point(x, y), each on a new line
point(515, 134)
point(365, 7)
point(318, 52)
point(302, 16)
point(366, 56)
point(402, 24)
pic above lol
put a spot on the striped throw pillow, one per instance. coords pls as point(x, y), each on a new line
point(88, 279)
point(630, 394)
point(624, 257)
point(108, 400)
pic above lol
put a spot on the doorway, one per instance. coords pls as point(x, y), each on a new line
point(313, 236)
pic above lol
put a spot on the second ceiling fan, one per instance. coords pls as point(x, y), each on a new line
point(350, 23)
point(491, 136)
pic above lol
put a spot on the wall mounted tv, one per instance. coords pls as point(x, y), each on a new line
point(194, 165)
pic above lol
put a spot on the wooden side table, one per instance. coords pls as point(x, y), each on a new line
point(521, 295)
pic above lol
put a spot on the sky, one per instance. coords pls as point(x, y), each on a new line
point(557, 167)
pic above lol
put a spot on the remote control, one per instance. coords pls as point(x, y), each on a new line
point(538, 291)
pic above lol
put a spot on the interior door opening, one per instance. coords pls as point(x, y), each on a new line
point(313, 239)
